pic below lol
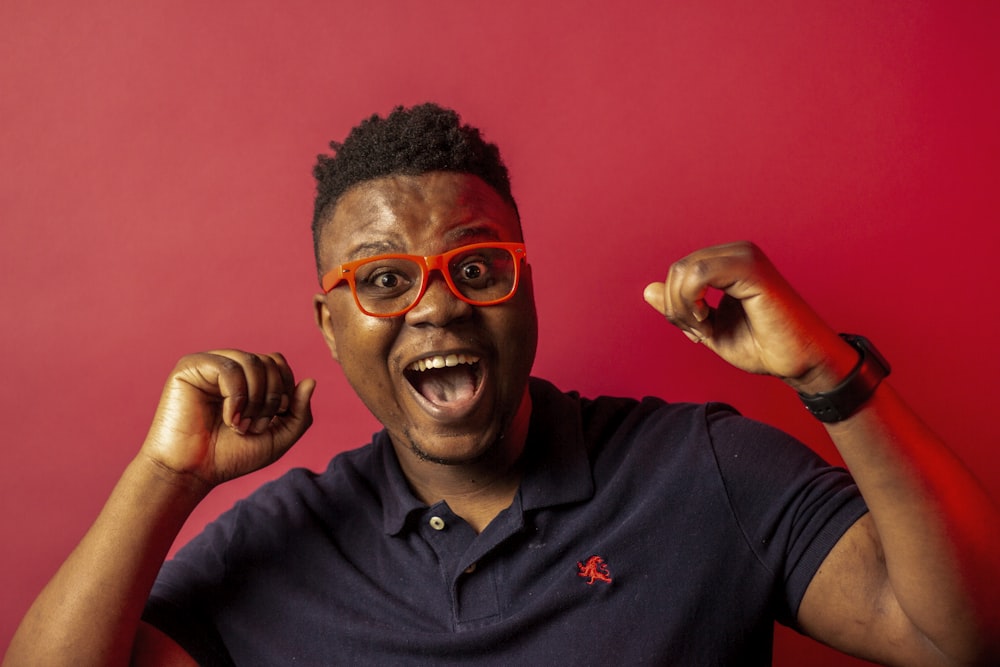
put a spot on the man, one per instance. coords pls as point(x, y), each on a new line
point(498, 520)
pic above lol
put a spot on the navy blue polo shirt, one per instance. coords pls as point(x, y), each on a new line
point(643, 532)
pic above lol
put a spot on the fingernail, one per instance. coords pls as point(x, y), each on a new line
point(244, 425)
point(261, 424)
point(693, 337)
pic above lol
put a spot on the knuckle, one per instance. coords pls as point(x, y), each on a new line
point(700, 269)
point(751, 251)
point(229, 366)
point(681, 265)
point(253, 360)
point(690, 267)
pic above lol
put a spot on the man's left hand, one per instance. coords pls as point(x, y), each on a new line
point(760, 324)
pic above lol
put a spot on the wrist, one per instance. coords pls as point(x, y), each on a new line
point(161, 481)
point(839, 359)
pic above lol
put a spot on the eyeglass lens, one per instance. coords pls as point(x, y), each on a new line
point(480, 275)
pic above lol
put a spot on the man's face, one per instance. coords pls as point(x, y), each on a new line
point(454, 414)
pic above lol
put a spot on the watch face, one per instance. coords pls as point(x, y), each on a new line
point(869, 350)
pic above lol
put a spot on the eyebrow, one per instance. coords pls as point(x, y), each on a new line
point(474, 233)
point(373, 248)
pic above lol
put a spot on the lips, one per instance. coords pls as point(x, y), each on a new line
point(446, 385)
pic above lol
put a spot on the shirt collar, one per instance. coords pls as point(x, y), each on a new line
point(398, 502)
point(557, 468)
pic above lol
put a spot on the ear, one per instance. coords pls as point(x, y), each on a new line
point(323, 320)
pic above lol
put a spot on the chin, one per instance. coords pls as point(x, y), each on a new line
point(454, 450)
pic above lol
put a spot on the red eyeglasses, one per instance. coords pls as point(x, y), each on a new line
point(482, 274)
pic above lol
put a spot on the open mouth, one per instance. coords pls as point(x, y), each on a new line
point(446, 380)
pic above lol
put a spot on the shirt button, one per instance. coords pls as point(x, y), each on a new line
point(470, 569)
point(437, 523)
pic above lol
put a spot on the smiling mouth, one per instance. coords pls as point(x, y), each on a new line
point(446, 380)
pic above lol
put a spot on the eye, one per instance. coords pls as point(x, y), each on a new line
point(472, 271)
point(483, 274)
point(386, 278)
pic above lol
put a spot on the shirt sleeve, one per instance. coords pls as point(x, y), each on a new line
point(189, 589)
point(791, 505)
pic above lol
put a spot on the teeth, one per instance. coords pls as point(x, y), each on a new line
point(441, 361)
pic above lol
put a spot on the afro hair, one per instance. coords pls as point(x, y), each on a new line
point(412, 141)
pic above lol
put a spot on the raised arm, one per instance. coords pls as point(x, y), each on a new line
point(917, 580)
point(222, 414)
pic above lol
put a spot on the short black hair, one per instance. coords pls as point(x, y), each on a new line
point(412, 141)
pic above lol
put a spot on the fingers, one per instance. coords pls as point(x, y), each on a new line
point(225, 413)
point(655, 295)
point(255, 388)
point(683, 298)
point(759, 323)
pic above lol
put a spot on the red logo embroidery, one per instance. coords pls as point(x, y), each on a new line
point(595, 568)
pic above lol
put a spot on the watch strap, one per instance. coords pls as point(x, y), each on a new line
point(854, 391)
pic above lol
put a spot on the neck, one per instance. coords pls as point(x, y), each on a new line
point(479, 490)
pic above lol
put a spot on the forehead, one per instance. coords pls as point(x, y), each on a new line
point(423, 214)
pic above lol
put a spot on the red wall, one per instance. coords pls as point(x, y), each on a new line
point(155, 198)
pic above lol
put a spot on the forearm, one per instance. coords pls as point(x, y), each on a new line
point(936, 526)
point(88, 613)
point(915, 582)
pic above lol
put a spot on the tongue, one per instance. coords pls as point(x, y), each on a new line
point(447, 385)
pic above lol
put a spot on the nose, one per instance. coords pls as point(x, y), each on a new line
point(438, 306)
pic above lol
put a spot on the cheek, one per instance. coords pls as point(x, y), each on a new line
point(520, 333)
point(364, 359)
point(365, 347)
point(363, 343)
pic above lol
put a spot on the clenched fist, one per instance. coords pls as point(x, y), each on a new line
point(226, 413)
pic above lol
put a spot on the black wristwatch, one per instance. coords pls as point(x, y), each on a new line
point(847, 397)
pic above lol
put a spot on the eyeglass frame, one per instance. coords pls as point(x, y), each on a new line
point(427, 263)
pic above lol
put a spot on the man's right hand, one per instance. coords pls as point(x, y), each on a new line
point(226, 413)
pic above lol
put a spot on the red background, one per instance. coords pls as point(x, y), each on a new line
point(155, 198)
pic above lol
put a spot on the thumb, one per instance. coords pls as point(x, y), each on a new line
point(298, 418)
point(654, 294)
point(300, 407)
